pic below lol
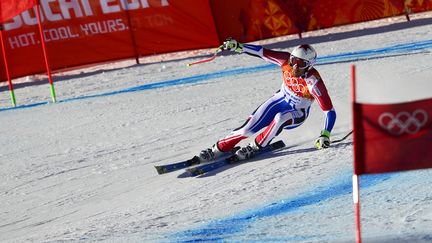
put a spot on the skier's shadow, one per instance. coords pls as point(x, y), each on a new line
point(278, 153)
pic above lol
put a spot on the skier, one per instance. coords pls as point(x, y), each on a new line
point(288, 108)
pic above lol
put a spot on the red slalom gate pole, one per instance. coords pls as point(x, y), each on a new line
point(47, 65)
point(131, 32)
point(11, 89)
point(355, 178)
point(356, 200)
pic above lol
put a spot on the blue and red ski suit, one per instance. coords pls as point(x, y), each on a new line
point(288, 108)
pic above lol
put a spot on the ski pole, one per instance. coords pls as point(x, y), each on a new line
point(345, 137)
point(208, 59)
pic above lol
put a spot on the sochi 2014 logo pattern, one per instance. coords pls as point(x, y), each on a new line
point(403, 122)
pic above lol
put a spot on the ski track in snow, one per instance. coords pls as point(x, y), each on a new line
point(82, 169)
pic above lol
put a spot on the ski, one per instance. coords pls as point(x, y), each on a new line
point(202, 169)
point(163, 169)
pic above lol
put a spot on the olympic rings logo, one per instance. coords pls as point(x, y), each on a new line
point(403, 122)
point(293, 83)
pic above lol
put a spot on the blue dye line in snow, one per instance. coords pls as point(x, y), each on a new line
point(406, 48)
point(224, 230)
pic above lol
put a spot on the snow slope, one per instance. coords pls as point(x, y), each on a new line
point(82, 169)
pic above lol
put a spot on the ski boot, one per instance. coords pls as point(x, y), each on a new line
point(210, 154)
point(248, 151)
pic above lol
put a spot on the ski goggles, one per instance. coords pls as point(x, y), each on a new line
point(301, 63)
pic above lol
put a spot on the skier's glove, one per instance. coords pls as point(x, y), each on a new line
point(323, 141)
point(232, 45)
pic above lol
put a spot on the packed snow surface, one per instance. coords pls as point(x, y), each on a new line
point(82, 169)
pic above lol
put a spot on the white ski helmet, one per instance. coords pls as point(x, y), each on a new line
point(306, 53)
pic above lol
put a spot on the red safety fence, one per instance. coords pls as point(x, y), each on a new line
point(80, 32)
point(11, 8)
point(249, 20)
point(84, 32)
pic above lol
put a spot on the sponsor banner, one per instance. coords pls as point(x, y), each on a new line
point(393, 137)
point(79, 32)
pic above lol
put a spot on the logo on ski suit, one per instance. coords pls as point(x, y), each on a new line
point(296, 85)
